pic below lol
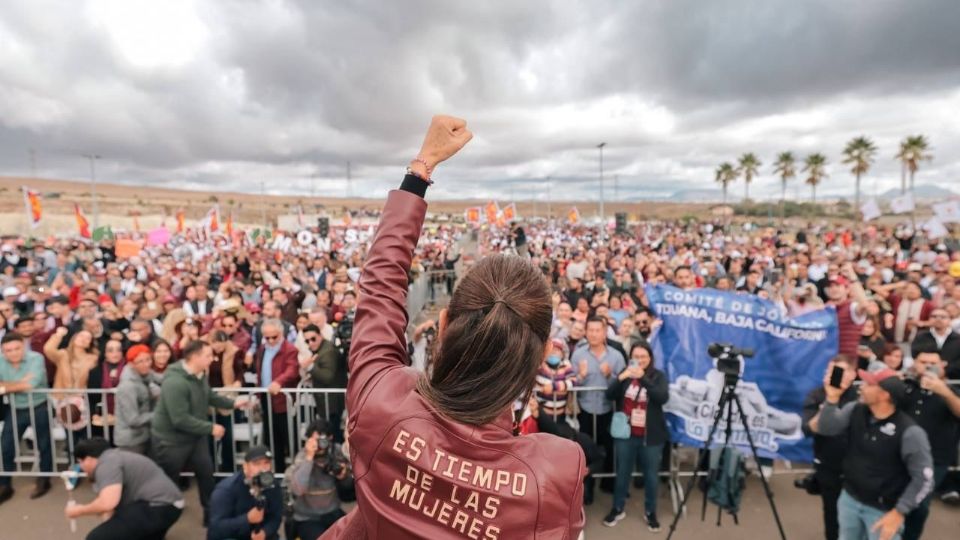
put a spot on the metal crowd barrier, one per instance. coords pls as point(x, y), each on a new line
point(245, 428)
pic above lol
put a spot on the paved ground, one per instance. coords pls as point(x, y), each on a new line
point(43, 518)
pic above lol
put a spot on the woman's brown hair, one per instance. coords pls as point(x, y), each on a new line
point(498, 324)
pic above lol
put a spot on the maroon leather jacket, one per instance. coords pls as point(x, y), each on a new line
point(284, 370)
point(418, 473)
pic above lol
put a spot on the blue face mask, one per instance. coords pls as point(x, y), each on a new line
point(553, 360)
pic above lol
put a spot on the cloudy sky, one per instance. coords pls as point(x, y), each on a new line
point(224, 95)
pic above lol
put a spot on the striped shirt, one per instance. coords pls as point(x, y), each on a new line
point(561, 379)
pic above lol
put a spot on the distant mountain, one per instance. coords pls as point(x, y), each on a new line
point(925, 191)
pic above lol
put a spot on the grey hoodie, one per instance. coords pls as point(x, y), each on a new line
point(134, 410)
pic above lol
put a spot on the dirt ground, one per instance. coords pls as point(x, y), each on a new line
point(43, 518)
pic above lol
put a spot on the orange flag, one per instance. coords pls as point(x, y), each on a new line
point(573, 216)
point(510, 212)
point(213, 219)
point(347, 219)
point(82, 224)
point(472, 215)
point(31, 199)
point(492, 209)
point(229, 225)
point(180, 219)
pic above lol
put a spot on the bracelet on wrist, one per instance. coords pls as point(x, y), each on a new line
point(412, 172)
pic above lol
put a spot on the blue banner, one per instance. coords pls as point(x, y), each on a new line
point(790, 359)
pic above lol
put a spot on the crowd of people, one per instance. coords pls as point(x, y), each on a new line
point(159, 330)
point(125, 353)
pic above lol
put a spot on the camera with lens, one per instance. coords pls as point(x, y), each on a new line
point(808, 483)
point(729, 360)
point(263, 480)
point(344, 332)
point(325, 457)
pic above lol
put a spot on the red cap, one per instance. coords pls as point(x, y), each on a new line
point(169, 299)
point(874, 377)
point(251, 307)
point(136, 351)
point(839, 280)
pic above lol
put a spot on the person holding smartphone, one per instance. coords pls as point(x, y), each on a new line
point(828, 452)
point(935, 406)
point(888, 468)
point(640, 392)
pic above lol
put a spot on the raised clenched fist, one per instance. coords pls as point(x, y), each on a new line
point(445, 137)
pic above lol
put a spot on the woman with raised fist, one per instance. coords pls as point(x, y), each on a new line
point(434, 453)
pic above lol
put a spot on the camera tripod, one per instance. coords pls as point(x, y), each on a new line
point(728, 398)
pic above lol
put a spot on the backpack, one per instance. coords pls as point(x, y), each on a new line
point(727, 478)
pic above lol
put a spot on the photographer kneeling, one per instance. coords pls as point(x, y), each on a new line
point(315, 481)
point(247, 504)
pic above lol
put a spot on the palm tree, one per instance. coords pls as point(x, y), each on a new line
point(748, 168)
point(786, 168)
point(814, 167)
point(726, 175)
point(913, 150)
point(859, 154)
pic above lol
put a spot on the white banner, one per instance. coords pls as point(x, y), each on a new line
point(902, 204)
point(947, 212)
point(870, 210)
point(935, 228)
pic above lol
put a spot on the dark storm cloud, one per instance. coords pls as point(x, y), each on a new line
point(232, 92)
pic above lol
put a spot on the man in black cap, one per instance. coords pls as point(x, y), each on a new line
point(888, 469)
point(247, 504)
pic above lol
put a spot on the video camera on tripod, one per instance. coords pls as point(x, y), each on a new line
point(729, 360)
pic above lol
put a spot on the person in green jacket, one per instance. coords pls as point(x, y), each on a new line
point(182, 421)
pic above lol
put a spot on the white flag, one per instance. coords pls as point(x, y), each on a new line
point(902, 204)
point(947, 212)
point(870, 210)
point(935, 228)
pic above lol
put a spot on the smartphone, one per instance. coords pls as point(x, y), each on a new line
point(836, 376)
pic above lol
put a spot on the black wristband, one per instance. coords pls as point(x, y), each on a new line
point(414, 184)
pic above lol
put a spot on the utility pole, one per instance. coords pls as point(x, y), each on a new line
point(93, 188)
point(263, 204)
point(603, 220)
point(349, 184)
point(549, 197)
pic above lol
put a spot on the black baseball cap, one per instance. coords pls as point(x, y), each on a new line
point(257, 452)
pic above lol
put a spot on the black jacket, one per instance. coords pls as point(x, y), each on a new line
point(949, 353)
point(229, 504)
point(658, 391)
point(828, 452)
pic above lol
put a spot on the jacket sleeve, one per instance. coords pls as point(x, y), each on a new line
point(175, 399)
point(218, 400)
point(324, 366)
point(379, 341)
point(578, 518)
point(658, 390)
point(127, 409)
point(613, 392)
point(811, 406)
point(290, 375)
point(222, 524)
point(273, 515)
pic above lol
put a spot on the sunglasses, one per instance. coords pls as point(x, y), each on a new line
point(313, 339)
